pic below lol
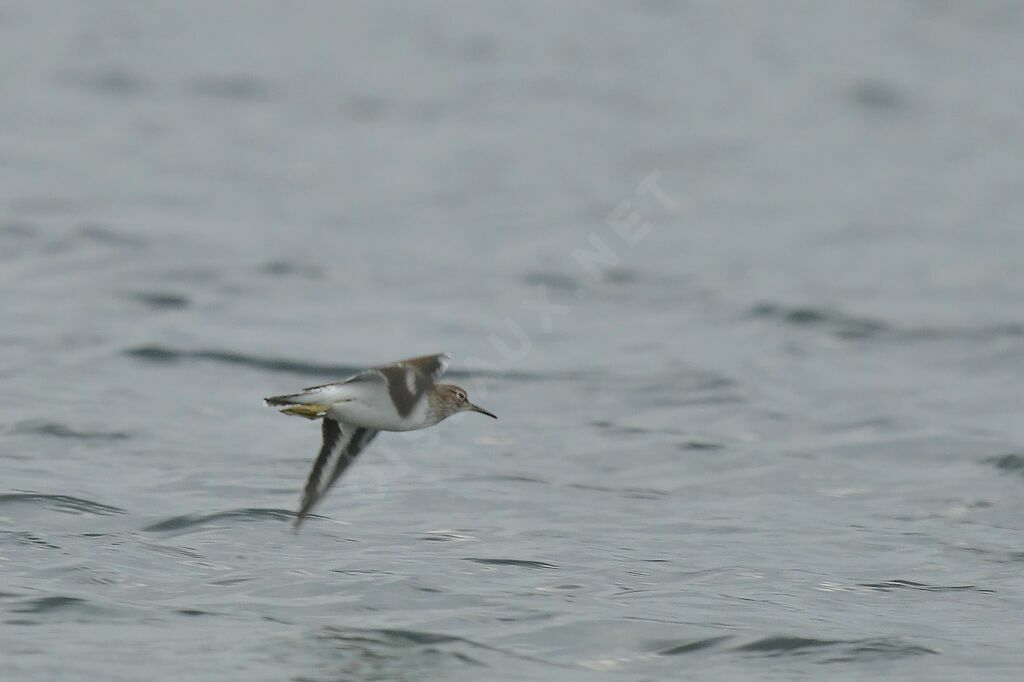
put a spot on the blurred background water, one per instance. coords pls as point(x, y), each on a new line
point(743, 281)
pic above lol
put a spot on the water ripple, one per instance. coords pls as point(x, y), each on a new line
point(283, 268)
point(29, 539)
point(1012, 463)
point(633, 493)
point(43, 604)
point(890, 585)
point(58, 603)
point(231, 87)
point(196, 521)
point(692, 646)
point(390, 647)
point(840, 324)
point(700, 445)
point(114, 82)
point(521, 563)
point(448, 535)
point(61, 503)
point(876, 649)
point(59, 430)
point(161, 300)
point(846, 326)
point(834, 651)
point(163, 355)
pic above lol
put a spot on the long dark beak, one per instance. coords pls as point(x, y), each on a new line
point(477, 408)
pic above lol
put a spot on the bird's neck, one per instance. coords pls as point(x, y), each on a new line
point(437, 409)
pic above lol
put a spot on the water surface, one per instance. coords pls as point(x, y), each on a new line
point(777, 437)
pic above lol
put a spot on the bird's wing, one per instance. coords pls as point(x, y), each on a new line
point(432, 366)
point(342, 443)
point(408, 380)
point(429, 366)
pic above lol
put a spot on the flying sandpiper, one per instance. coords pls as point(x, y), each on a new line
point(402, 396)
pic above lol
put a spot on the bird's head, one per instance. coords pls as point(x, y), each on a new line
point(454, 399)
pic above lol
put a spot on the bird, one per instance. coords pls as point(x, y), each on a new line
point(401, 396)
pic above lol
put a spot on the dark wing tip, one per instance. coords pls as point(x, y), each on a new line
point(299, 518)
point(340, 447)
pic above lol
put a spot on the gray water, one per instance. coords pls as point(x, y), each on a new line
point(742, 280)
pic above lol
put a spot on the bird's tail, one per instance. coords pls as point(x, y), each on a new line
point(294, 399)
point(297, 405)
point(307, 411)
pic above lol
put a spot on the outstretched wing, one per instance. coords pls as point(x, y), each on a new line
point(406, 381)
point(342, 443)
point(430, 367)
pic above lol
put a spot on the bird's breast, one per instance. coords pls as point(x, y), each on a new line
point(380, 414)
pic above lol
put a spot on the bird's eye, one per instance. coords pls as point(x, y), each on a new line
point(461, 396)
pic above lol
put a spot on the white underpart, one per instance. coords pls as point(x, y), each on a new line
point(368, 404)
point(410, 380)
